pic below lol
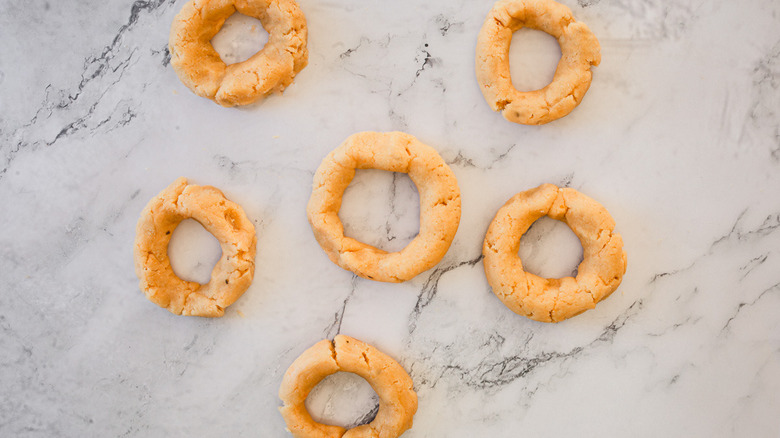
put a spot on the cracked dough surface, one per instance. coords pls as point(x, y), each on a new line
point(232, 274)
point(553, 299)
point(397, 399)
point(270, 70)
point(394, 152)
point(579, 51)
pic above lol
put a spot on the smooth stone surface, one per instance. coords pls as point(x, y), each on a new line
point(677, 138)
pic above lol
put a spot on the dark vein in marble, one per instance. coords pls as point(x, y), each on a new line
point(673, 272)
point(464, 161)
point(431, 288)
point(490, 374)
point(338, 317)
point(94, 67)
point(233, 167)
point(347, 53)
point(764, 111)
point(774, 288)
point(165, 53)
point(755, 262)
point(688, 320)
point(81, 122)
point(770, 224)
point(369, 416)
point(388, 233)
point(427, 62)
point(445, 25)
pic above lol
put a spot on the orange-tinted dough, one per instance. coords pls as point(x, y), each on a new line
point(270, 70)
point(397, 399)
point(553, 299)
point(232, 274)
point(579, 51)
point(394, 152)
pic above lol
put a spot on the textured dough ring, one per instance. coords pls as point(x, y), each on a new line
point(397, 399)
point(556, 299)
point(271, 69)
point(579, 50)
point(394, 152)
point(232, 274)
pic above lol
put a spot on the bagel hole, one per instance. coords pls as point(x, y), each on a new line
point(381, 209)
point(550, 249)
point(533, 58)
point(240, 37)
point(193, 252)
point(343, 399)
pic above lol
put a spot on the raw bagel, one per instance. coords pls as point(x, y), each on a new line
point(271, 69)
point(232, 274)
point(579, 51)
point(397, 399)
point(553, 299)
point(394, 152)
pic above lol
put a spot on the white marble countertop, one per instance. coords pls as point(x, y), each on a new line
point(678, 138)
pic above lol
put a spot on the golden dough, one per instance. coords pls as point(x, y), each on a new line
point(579, 51)
point(394, 152)
point(270, 70)
point(397, 399)
point(232, 274)
point(545, 299)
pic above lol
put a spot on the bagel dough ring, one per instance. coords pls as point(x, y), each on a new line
point(270, 70)
point(553, 299)
point(394, 152)
point(579, 50)
point(224, 219)
point(397, 399)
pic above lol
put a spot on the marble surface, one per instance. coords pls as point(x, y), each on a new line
point(678, 137)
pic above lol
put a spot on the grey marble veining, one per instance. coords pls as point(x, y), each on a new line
point(678, 138)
